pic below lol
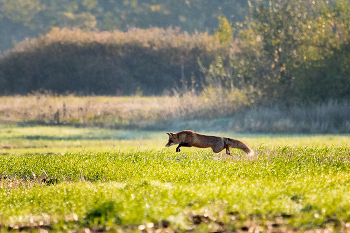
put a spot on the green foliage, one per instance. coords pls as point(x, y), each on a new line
point(289, 49)
point(104, 214)
point(42, 15)
point(219, 72)
point(324, 72)
point(327, 78)
point(225, 31)
point(22, 11)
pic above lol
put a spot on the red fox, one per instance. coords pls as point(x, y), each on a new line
point(189, 138)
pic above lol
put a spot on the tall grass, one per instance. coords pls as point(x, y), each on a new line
point(120, 112)
point(212, 109)
point(329, 117)
point(195, 166)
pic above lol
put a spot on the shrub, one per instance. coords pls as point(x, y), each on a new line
point(123, 63)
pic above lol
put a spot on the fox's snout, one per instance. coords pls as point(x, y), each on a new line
point(170, 144)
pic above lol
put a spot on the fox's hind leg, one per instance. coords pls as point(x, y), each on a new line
point(217, 148)
point(228, 150)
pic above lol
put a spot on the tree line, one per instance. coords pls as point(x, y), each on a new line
point(286, 51)
point(29, 18)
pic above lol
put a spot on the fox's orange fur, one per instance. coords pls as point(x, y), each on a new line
point(189, 138)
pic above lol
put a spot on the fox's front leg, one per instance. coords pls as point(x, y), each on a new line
point(181, 144)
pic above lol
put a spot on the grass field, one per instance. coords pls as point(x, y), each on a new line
point(76, 179)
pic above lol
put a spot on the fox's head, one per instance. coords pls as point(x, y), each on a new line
point(173, 139)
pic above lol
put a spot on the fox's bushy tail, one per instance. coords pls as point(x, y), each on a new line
point(234, 143)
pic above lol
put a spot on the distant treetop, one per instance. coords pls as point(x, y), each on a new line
point(29, 18)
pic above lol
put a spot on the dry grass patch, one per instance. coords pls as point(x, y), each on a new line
point(120, 111)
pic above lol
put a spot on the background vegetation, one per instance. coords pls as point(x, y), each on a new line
point(23, 18)
point(294, 51)
point(290, 51)
point(137, 62)
point(284, 56)
point(231, 111)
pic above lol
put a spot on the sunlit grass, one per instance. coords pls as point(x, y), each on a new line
point(114, 183)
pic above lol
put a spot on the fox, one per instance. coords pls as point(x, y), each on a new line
point(188, 138)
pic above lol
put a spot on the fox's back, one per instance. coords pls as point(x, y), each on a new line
point(200, 140)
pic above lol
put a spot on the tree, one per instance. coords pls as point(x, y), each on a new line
point(21, 11)
point(219, 72)
point(287, 39)
point(324, 74)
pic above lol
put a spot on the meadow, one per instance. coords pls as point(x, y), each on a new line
point(92, 179)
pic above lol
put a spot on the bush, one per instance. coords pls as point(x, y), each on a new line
point(106, 63)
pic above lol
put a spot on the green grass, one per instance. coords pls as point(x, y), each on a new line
point(293, 182)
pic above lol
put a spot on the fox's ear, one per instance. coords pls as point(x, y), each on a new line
point(170, 134)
